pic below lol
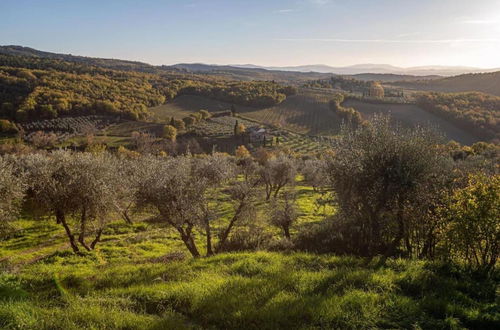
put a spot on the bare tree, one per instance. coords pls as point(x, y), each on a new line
point(144, 143)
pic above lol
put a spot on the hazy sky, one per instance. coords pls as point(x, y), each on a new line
point(264, 32)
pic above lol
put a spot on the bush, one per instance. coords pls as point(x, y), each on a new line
point(178, 124)
point(204, 114)
point(474, 228)
point(189, 121)
point(7, 127)
point(170, 133)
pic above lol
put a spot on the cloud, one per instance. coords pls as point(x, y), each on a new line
point(319, 2)
point(395, 41)
point(283, 11)
point(477, 20)
point(480, 21)
point(411, 34)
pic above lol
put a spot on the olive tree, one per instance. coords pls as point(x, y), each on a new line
point(214, 171)
point(186, 192)
point(385, 180)
point(276, 173)
point(284, 213)
point(169, 186)
point(12, 188)
point(79, 188)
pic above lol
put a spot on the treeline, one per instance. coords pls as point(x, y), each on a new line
point(255, 93)
point(396, 192)
point(349, 115)
point(473, 111)
point(339, 82)
point(34, 88)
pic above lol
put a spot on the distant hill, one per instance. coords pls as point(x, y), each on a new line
point(100, 62)
point(390, 77)
point(381, 72)
point(380, 69)
point(480, 82)
point(221, 71)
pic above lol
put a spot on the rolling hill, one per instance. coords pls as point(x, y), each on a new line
point(309, 113)
point(219, 71)
point(480, 82)
point(440, 70)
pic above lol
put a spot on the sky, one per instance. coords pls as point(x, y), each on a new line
point(262, 32)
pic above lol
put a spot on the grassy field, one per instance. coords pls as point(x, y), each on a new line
point(138, 278)
point(411, 115)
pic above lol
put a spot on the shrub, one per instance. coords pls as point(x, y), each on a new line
point(242, 152)
point(474, 227)
point(178, 124)
point(204, 114)
point(7, 127)
point(170, 133)
point(189, 121)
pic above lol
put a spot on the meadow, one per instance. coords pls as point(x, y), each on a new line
point(138, 279)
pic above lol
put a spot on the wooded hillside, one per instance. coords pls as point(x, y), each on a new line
point(34, 88)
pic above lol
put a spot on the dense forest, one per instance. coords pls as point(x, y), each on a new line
point(35, 88)
point(339, 82)
point(474, 111)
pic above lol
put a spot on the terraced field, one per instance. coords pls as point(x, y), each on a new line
point(411, 115)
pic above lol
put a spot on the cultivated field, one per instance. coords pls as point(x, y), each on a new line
point(412, 115)
point(184, 105)
point(309, 113)
point(306, 113)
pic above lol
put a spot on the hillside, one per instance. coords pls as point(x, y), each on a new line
point(40, 88)
point(410, 115)
point(136, 281)
point(222, 72)
point(308, 112)
point(390, 77)
point(480, 82)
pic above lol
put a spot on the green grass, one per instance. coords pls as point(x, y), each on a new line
point(123, 285)
point(259, 290)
